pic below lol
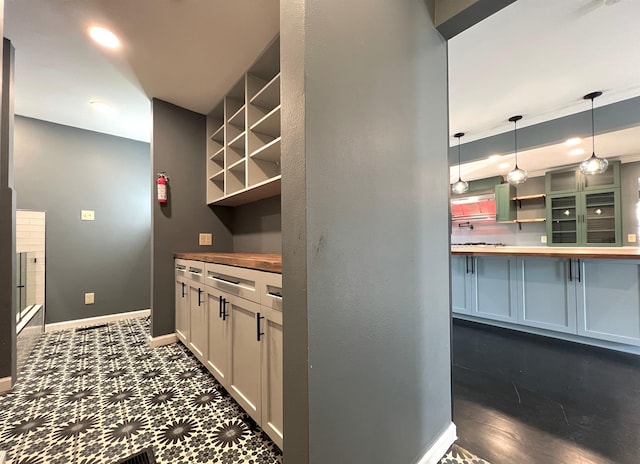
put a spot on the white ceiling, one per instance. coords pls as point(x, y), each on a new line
point(538, 58)
point(187, 52)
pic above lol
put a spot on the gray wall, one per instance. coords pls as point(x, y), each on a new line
point(63, 170)
point(178, 147)
point(7, 216)
point(366, 237)
point(257, 227)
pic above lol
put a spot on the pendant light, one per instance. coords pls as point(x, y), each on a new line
point(516, 175)
point(593, 165)
point(460, 186)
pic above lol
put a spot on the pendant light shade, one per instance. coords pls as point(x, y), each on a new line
point(593, 165)
point(459, 186)
point(516, 175)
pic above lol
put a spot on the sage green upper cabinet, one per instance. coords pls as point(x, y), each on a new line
point(584, 210)
point(571, 180)
point(505, 206)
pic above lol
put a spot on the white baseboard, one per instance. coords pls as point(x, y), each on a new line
point(440, 446)
point(95, 320)
point(155, 342)
point(5, 385)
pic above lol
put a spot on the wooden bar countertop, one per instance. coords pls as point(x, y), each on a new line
point(548, 252)
point(270, 262)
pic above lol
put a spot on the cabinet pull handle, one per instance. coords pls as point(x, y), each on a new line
point(225, 314)
point(473, 264)
point(579, 270)
point(180, 268)
point(220, 307)
point(183, 292)
point(466, 264)
point(199, 293)
point(258, 332)
point(570, 261)
point(195, 273)
point(275, 294)
point(226, 281)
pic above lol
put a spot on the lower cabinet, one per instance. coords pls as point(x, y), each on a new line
point(547, 293)
point(608, 300)
point(245, 373)
point(237, 339)
point(592, 298)
point(484, 286)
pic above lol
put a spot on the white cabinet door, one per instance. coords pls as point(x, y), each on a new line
point(547, 293)
point(609, 300)
point(272, 382)
point(198, 321)
point(461, 292)
point(182, 310)
point(494, 282)
point(218, 346)
point(244, 368)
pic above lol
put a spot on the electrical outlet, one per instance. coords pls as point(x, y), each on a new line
point(631, 238)
point(87, 215)
point(543, 239)
point(205, 239)
point(89, 298)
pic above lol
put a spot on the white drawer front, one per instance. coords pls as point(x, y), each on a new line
point(271, 290)
point(196, 271)
point(181, 267)
point(238, 281)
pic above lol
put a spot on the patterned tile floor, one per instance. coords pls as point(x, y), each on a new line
point(100, 395)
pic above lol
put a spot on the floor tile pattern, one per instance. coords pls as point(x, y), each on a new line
point(100, 395)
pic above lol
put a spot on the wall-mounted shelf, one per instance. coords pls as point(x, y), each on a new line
point(244, 142)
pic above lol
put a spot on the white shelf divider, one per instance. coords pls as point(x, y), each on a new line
point(269, 152)
point(269, 96)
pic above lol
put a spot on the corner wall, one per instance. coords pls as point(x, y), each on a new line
point(365, 232)
point(178, 147)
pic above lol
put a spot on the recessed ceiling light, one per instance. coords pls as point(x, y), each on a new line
point(573, 141)
point(494, 157)
point(504, 165)
point(101, 106)
point(576, 152)
point(104, 37)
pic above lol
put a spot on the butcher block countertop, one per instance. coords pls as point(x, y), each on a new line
point(270, 262)
point(549, 252)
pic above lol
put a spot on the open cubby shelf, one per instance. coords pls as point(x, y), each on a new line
point(244, 136)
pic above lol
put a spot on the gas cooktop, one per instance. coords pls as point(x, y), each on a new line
point(477, 244)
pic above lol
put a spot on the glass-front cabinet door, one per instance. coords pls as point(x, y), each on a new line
point(601, 218)
point(562, 219)
point(562, 181)
point(608, 179)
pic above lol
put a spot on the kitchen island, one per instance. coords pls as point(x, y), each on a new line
point(588, 295)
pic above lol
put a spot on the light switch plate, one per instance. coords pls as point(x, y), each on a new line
point(205, 239)
point(543, 239)
point(631, 238)
point(89, 298)
point(87, 215)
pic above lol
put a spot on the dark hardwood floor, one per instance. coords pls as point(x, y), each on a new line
point(522, 398)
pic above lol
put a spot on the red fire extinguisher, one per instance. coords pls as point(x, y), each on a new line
point(161, 183)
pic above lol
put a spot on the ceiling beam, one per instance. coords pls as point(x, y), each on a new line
point(455, 16)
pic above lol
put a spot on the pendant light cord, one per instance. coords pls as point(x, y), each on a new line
point(593, 131)
point(459, 178)
point(515, 137)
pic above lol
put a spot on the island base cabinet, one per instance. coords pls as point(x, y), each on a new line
point(461, 292)
point(609, 300)
point(546, 296)
point(218, 346)
point(245, 355)
point(495, 290)
point(272, 370)
point(182, 310)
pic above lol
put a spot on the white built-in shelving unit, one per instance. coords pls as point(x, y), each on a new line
point(243, 146)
